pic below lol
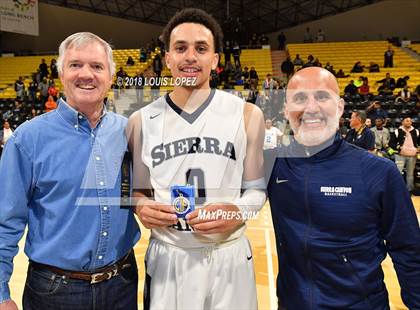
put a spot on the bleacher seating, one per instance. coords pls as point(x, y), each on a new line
point(343, 55)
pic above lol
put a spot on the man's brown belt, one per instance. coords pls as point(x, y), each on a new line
point(102, 274)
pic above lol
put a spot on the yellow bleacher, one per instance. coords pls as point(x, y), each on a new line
point(343, 55)
point(415, 47)
point(13, 67)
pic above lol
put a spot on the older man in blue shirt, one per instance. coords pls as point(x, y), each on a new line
point(60, 175)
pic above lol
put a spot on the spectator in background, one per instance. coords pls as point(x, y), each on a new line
point(20, 88)
point(43, 69)
point(287, 67)
point(52, 91)
point(253, 94)
point(32, 90)
point(214, 79)
point(382, 136)
point(253, 76)
point(5, 134)
point(140, 88)
point(155, 89)
point(357, 68)
point(253, 42)
point(351, 89)
point(388, 84)
point(404, 95)
point(320, 36)
point(364, 89)
point(43, 90)
point(359, 134)
point(298, 61)
point(227, 51)
point(268, 84)
point(405, 141)
point(245, 77)
point(417, 93)
point(53, 68)
point(50, 104)
point(402, 81)
point(310, 62)
point(373, 67)
point(281, 39)
point(340, 74)
point(33, 113)
point(389, 58)
point(328, 66)
point(368, 123)
point(157, 65)
point(121, 74)
point(307, 36)
point(263, 39)
point(273, 135)
point(130, 61)
point(143, 55)
point(374, 111)
point(236, 52)
point(342, 128)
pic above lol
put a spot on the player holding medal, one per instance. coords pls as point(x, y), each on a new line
point(209, 141)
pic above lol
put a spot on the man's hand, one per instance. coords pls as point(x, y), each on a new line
point(8, 305)
point(154, 214)
point(227, 218)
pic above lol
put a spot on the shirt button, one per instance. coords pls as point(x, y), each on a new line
point(100, 257)
point(104, 233)
point(101, 183)
point(80, 117)
point(75, 126)
point(98, 158)
point(93, 136)
point(105, 208)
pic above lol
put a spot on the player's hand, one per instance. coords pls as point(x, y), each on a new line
point(8, 305)
point(229, 217)
point(154, 214)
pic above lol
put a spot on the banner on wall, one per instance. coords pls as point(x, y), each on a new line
point(20, 16)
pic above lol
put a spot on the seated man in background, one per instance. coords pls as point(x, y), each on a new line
point(337, 210)
point(382, 136)
point(374, 111)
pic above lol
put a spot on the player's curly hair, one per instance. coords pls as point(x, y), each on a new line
point(197, 16)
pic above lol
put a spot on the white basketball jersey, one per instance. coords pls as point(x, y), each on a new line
point(205, 149)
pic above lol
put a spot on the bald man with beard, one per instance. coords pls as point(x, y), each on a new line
point(337, 210)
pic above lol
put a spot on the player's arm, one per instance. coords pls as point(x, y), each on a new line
point(151, 213)
point(253, 184)
point(253, 197)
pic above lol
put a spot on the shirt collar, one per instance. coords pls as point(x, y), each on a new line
point(72, 116)
point(318, 152)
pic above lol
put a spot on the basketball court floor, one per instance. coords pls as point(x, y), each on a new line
point(261, 234)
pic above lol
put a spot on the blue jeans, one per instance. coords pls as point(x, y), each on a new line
point(47, 290)
point(410, 165)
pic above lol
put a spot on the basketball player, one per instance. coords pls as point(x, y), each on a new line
point(213, 141)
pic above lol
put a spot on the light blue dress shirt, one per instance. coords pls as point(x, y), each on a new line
point(62, 178)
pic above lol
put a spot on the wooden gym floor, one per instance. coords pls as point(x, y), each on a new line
point(260, 233)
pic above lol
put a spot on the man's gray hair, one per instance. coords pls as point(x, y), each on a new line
point(79, 39)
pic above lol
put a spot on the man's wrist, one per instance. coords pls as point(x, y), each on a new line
point(4, 292)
